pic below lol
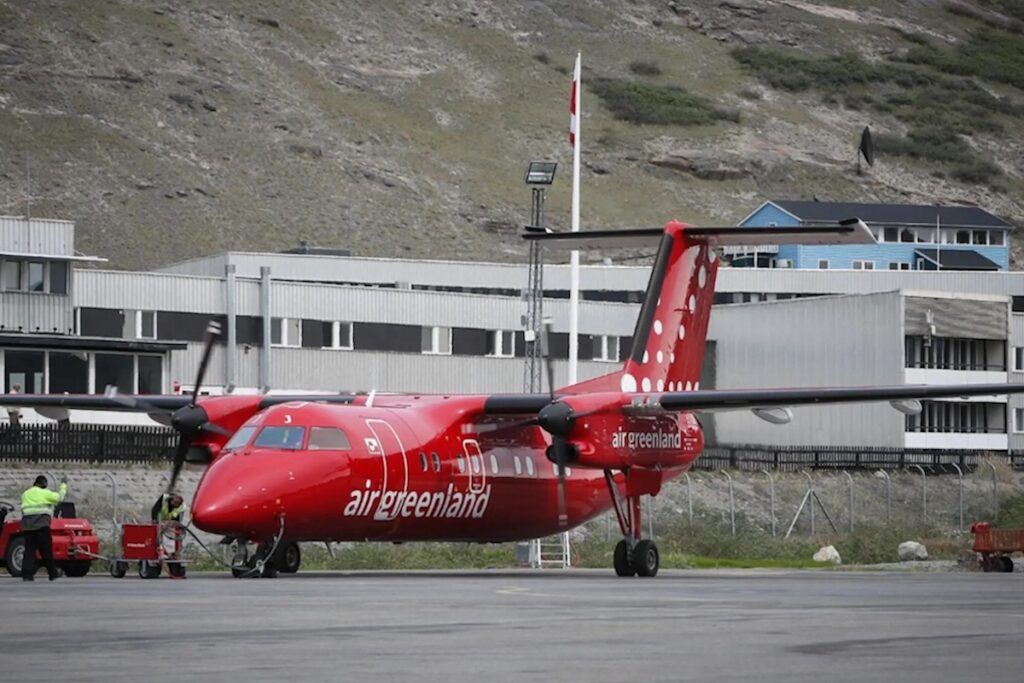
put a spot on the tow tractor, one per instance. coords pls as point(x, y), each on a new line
point(75, 543)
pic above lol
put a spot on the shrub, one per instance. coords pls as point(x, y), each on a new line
point(645, 68)
point(642, 103)
point(542, 57)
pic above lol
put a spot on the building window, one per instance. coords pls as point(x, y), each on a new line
point(35, 277)
point(11, 275)
point(338, 335)
point(1018, 358)
point(823, 264)
point(863, 265)
point(23, 371)
point(981, 237)
point(285, 332)
point(606, 348)
point(151, 375)
point(501, 343)
point(891, 235)
point(58, 277)
point(963, 236)
point(995, 238)
point(69, 373)
point(145, 324)
point(899, 265)
point(115, 370)
point(783, 263)
point(436, 340)
point(1018, 420)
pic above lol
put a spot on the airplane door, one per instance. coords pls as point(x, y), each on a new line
point(475, 465)
point(395, 479)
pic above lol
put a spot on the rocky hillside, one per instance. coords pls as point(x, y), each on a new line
point(177, 128)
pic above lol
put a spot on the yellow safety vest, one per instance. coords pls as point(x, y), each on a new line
point(40, 501)
point(166, 513)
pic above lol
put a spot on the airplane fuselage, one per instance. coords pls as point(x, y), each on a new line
point(418, 468)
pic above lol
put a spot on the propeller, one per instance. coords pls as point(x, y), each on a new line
point(557, 419)
point(192, 420)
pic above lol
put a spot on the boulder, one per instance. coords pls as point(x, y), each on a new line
point(912, 550)
point(828, 553)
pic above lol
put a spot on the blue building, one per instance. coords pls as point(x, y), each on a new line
point(910, 237)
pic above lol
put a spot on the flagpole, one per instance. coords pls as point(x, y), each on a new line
point(574, 286)
point(938, 242)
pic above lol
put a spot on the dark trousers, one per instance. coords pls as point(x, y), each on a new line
point(38, 540)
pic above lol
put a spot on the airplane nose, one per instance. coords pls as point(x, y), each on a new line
point(220, 514)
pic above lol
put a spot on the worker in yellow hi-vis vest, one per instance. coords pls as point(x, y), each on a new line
point(37, 505)
point(170, 507)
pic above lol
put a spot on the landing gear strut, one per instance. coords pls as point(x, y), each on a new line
point(633, 556)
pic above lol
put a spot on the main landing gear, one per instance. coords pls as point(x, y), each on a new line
point(634, 556)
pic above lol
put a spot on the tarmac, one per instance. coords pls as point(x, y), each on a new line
point(574, 625)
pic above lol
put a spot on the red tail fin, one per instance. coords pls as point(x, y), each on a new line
point(669, 339)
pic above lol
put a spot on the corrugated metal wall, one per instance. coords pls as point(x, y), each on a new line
point(36, 312)
point(1015, 400)
point(834, 341)
point(38, 236)
point(148, 291)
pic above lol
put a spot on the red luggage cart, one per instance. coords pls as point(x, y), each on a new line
point(153, 546)
point(994, 546)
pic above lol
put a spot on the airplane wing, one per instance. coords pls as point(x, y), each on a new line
point(140, 403)
point(732, 399)
point(738, 399)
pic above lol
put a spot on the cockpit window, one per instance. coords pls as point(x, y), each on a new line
point(289, 438)
point(328, 439)
point(240, 438)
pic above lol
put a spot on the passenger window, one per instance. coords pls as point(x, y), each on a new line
point(328, 439)
point(494, 464)
point(475, 462)
point(288, 438)
point(517, 463)
point(529, 465)
point(240, 438)
point(460, 463)
point(437, 462)
point(423, 461)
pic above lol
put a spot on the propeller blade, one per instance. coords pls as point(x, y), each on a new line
point(214, 428)
point(560, 458)
point(127, 401)
point(179, 461)
point(212, 332)
point(545, 351)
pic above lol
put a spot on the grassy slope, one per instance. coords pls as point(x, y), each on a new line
point(404, 130)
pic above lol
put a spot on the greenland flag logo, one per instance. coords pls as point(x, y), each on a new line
point(372, 446)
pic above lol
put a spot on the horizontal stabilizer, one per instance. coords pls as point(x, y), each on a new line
point(850, 231)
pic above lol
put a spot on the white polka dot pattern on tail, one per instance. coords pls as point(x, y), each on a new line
point(646, 384)
point(657, 327)
point(628, 383)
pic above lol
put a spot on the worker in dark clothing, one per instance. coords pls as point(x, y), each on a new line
point(37, 505)
point(170, 507)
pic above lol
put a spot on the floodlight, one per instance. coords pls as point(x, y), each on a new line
point(541, 172)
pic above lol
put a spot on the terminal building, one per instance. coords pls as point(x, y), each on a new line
point(321, 320)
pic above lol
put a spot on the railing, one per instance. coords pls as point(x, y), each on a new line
point(85, 443)
point(796, 458)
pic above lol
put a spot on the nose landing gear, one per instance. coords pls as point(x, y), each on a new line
point(633, 556)
point(269, 558)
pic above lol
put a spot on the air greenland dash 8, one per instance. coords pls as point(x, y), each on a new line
point(486, 468)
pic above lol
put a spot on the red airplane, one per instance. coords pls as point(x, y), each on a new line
point(485, 468)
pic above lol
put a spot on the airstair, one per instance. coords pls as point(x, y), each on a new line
point(551, 552)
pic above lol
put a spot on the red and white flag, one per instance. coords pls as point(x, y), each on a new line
point(573, 97)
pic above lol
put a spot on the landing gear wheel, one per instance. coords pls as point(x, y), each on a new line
point(1005, 564)
point(14, 558)
point(149, 570)
point(288, 558)
point(646, 559)
point(77, 569)
point(623, 567)
point(118, 568)
point(177, 569)
point(241, 564)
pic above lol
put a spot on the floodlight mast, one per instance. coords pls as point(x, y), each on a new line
point(539, 174)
